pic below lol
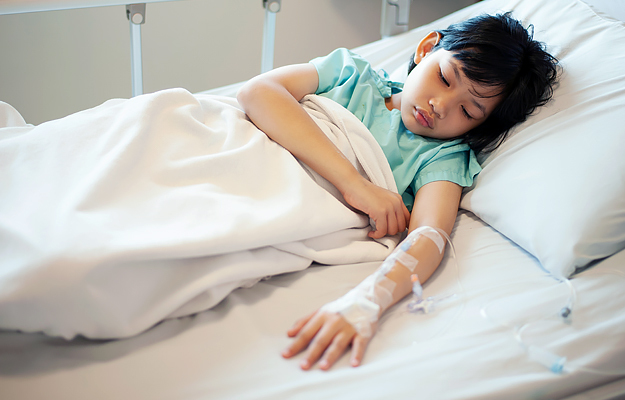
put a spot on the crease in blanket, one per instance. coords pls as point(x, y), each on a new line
point(187, 201)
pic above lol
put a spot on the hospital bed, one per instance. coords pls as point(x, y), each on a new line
point(549, 203)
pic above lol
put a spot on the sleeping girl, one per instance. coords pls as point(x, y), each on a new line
point(467, 86)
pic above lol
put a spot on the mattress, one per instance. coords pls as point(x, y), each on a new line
point(232, 350)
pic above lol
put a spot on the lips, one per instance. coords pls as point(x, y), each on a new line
point(423, 118)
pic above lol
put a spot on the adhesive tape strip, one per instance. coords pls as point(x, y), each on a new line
point(432, 234)
point(407, 260)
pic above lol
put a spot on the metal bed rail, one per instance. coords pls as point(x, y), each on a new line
point(394, 20)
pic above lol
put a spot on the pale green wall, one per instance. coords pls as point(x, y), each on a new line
point(56, 63)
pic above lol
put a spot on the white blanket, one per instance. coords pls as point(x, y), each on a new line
point(117, 217)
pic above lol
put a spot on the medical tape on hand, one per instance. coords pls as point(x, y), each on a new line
point(361, 306)
point(356, 308)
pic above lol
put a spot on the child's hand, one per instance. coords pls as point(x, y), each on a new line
point(327, 336)
point(385, 208)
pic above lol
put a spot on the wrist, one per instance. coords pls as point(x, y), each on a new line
point(351, 182)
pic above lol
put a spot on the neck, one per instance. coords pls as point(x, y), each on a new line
point(393, 102)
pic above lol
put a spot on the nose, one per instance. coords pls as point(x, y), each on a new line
point(438, 106)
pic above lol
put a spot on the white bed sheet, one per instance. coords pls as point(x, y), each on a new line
point(232, 351)
point(175, 200)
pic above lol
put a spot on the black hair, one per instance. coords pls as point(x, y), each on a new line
point(497, 51)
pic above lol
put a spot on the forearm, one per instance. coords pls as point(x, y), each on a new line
point(436, 207)
point(271, 101)
point(275, 110)
point(434, 214)
point(428, 255)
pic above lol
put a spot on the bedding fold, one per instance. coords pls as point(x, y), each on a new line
point(117, 217)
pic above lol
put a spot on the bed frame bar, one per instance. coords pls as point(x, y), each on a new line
point(395, 17)
point(394, 20)
point(136, 15)
point(269, 33)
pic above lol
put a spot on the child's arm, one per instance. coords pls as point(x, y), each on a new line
point(271, 101)
point(327, 335)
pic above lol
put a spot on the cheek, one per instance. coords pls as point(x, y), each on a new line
point(457, 126)
point(456, 123)
point(416, 84)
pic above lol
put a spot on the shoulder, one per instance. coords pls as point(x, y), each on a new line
point(448, 154)
point(342, 64)
point(342, 56)
point(450, 161)
point(346, 69)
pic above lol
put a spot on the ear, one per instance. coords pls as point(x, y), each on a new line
point(426, 45)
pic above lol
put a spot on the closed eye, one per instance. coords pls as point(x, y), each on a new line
point(440, 74)
point(466, 114)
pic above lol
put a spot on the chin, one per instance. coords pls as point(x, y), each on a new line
point(417, 129)
point(414, 126)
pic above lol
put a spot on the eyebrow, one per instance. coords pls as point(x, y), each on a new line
point(459, 78)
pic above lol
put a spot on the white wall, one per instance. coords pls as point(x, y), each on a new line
point(56, 63)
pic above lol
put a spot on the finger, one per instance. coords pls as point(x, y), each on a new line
point(299, 324)
point(391, 223)
point(380, 228)
point(319, 345)
point(401, 222)
point(359, 346)
point(336, 349)
point(406, 214)
point(403, 217)
point(304, 337)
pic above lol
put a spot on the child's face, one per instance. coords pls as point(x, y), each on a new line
point(438, 101)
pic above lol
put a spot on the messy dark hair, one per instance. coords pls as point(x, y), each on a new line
point(496, 51)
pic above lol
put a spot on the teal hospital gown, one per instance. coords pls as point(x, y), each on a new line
point(415, 160)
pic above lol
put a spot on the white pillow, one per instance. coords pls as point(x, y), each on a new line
point(10, 117)
point(556, 187)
